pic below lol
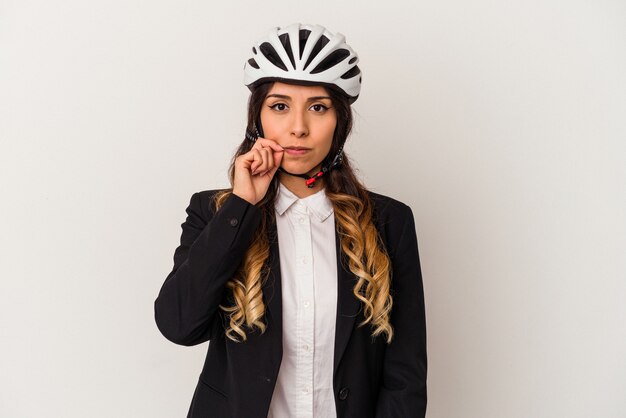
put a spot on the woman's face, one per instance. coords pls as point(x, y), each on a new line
point(299, 116)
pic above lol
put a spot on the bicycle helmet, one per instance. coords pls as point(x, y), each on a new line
point(305, 53)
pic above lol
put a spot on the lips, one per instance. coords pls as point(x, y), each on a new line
point(297, 150)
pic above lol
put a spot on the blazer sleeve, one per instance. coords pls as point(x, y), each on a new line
point(403, 389)
point(209, 253)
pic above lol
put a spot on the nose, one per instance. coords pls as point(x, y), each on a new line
point(299, 125)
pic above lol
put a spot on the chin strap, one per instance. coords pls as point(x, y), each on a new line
point(310, 180)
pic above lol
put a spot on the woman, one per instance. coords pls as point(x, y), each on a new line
point(308, 314)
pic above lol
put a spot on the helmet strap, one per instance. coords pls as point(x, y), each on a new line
point(311, 180)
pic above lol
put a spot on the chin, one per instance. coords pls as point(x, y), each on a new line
point(298, 171)
point(298, 168)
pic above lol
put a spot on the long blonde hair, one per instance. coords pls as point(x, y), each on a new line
point(360, 241)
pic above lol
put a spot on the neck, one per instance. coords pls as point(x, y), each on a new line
point(297, 185)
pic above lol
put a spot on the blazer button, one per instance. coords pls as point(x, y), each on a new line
point(233, 221)
point(343, 394)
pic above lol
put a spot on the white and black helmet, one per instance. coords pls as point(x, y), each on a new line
point(305, 53)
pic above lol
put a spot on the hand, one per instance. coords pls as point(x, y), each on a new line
point(255, 169)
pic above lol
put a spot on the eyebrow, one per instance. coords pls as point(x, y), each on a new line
point(310, 99)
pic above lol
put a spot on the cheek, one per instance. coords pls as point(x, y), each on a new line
point(266, 123)
point(273, 126)
point(329, 129)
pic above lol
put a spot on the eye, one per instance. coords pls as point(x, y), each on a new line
point(319, 108)
point(279, 106)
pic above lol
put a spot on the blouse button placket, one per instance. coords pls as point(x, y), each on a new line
point(306, 310)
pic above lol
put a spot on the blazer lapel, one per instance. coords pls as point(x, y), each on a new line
point(272, 291)
point(347, 304)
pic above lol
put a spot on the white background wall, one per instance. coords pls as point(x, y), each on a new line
point(502, 124)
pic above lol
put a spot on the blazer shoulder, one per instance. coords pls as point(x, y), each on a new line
point(207, 194)
point(387, 205)
point(393, 219)
point(203, 201)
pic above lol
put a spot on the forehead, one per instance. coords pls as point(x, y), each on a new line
point(297, 91)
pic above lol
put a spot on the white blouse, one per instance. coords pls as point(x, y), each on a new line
point(308, 266)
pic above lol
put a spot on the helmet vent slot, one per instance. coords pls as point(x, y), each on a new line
point(284, 39)
point(331, 60)
point(351, 73)
point(304, 36)
point(272, 56)
point(321, 42)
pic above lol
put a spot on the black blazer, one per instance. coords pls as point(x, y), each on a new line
point(370, 378)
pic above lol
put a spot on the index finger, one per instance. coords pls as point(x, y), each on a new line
point(269, 143)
